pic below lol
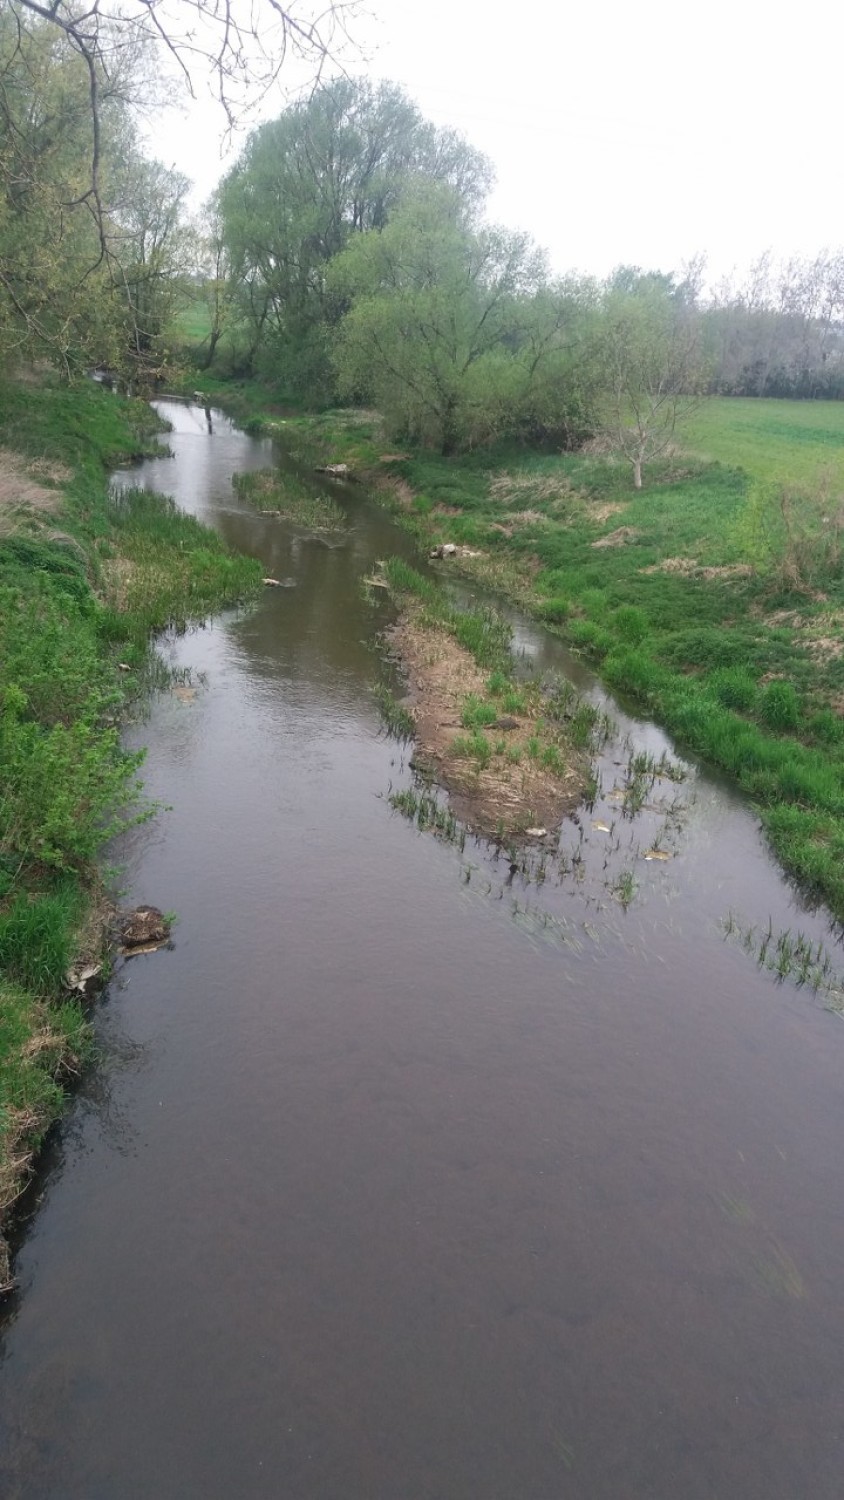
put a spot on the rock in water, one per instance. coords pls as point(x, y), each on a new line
point(146, 924)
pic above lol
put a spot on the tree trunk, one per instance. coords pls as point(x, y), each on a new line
point(637, 473)
point(212, 348)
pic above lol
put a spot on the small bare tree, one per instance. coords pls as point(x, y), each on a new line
point(653, 368)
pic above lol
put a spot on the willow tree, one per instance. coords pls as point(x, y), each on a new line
point(434, 326)
point(330, 167)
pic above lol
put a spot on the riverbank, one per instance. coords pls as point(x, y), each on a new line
point(86, 577)
point(713, 599)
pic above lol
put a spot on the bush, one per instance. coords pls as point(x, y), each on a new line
point(63, 787)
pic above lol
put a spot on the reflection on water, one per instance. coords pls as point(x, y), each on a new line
point(434, 1179)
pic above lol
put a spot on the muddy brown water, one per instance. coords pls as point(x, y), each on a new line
point(406, 1177)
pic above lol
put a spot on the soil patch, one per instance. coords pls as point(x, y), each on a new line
point(514, 791)
point(22, 490)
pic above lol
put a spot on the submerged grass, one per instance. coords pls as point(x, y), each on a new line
point(398, 721)
point(83, 584)
point(290, 499)
point(423, 809)
point(790, 955)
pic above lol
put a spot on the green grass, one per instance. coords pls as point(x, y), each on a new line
point(178, 570)
point(423, 809)
point(290, 499)
point(782, 441)
point(82, 588)
point(398, 721)
point(192, 323)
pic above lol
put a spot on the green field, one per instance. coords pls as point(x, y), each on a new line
point(192, 323)
point(784, 441)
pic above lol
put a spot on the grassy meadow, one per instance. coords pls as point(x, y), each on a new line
point(86, 576)
point(785, 442)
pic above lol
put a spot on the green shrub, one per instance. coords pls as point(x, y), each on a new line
point(64, 788)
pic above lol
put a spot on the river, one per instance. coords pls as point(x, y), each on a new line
point(405, 1176)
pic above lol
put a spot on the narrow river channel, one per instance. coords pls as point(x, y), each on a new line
point(406, 1176)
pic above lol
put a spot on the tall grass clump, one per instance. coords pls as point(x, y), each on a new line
point(37, 936)
point(779, 705)
point(735, 687)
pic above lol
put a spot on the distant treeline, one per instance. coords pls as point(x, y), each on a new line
point(346, 257)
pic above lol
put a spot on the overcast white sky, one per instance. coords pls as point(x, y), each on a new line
point(620, 132)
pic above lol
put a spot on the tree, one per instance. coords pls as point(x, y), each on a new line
point(51, 283)
point(240, 48)
point(437, 311)
point(81, 276)
point(152, 253)
point(217, 281)
point(654, 373)
point(333, 166)
point(556, 347)
point(780, 332)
